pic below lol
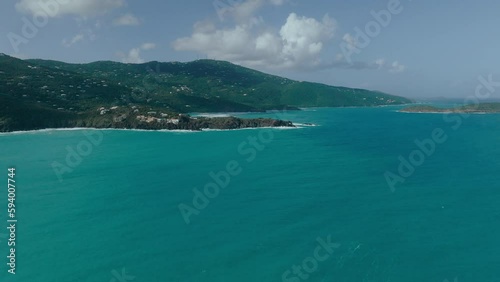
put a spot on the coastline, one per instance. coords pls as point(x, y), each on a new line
point(46, 130)
point(469, 109)
point(450, 112)
point(180, 124)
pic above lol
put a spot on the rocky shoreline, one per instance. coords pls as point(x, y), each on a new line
point(184, 122)
point(201, 123)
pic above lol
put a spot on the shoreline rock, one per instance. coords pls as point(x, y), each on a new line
point(184, 123)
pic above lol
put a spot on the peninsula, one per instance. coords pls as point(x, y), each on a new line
point(39, 94)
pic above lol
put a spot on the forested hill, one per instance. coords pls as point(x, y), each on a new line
point(57, 90)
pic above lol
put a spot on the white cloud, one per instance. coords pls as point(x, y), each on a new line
point(241, 11)
point(381, 64)
point(378, 64)
point(126, 20)
point(134, 55)
point(352, 43)
point(77, 38)
point(148, 46)
point(298, 43)
point(304, 37)
point(83, 8)
point(396, 67)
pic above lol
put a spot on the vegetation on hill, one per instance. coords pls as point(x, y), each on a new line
point(40, 93)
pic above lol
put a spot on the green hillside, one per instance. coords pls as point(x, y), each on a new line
point(58, 90)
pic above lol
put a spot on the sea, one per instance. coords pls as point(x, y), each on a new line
point(350, 195)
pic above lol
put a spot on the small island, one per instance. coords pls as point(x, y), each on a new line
point(490, 108)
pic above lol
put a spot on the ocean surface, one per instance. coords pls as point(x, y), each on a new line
point(112, 212)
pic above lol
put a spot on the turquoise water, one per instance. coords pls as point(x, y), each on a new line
point(119, 208)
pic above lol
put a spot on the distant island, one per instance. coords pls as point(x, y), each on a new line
point(469, 109)
point(39, 94)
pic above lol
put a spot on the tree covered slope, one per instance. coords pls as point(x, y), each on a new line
point(60, 91)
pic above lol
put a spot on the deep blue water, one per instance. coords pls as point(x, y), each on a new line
point(119, 208)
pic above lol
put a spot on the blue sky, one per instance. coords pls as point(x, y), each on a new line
point(414, 48)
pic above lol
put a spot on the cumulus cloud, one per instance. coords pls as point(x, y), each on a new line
point(303, 37)
point(299, 42)
point(83, 8)
point(134, 55)
point(126, 20)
